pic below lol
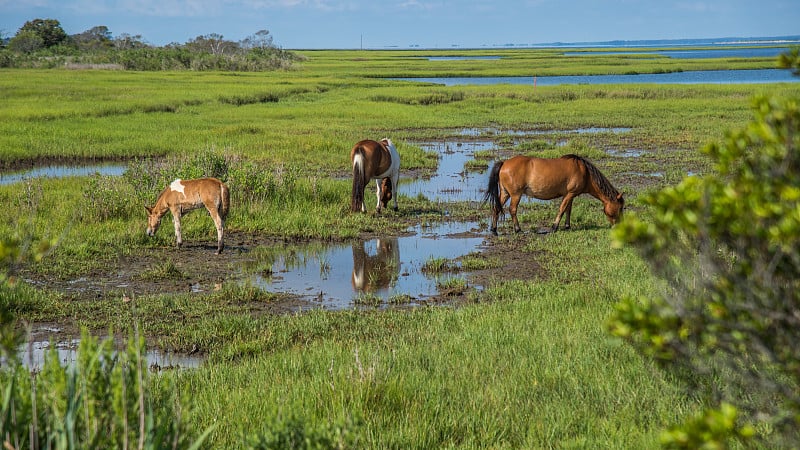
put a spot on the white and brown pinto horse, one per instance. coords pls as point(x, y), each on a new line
point(373, 160)
point(182, 196)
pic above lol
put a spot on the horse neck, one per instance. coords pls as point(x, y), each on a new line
point(162, 204)
point(597, 190)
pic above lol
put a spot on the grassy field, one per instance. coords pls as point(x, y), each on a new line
point(526, 362)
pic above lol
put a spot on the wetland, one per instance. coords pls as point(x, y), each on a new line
point(414, 328)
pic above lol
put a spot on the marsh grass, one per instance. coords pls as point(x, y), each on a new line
point(166, 270)
point(530, 365)
point(452, 285)
point(367, 299)
point(477, 261)
point(399, 299)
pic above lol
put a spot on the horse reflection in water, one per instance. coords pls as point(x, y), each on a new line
point(373, 272)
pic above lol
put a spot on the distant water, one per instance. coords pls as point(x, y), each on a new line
point(678, 43)
point(760, 76)
point(723, 52)
point(770, 41)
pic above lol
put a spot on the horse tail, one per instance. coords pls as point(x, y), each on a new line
point(492, 194)
point(225, 200)
point(359, 182)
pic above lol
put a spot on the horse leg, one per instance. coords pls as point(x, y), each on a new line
point(395, 178)
point(567, 214)
point(176, 220)
point(496, 211)
point(378, 194)
point(566, 206)
point(219, 223)
point(513, 209)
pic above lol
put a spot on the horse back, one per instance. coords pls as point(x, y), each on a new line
point(377, 158)
point(190, 194)
point(543, 178)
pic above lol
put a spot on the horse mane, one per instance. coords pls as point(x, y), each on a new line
point(602, 182)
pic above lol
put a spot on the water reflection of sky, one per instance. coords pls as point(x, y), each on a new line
point(326, 275)
point(755, 52)
point(61, 172)
point(34, 353)
point(451, 183)
point(756, 76)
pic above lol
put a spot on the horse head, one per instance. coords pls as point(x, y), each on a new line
point(386, 191)
point(613, 208)
point(153, 221)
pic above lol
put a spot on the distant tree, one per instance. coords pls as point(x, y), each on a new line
point(94, 38)
point(212, 43)
point(126, 41)
point(260, 40)
point(49, 30)
point(726, 245)
point(26, 42)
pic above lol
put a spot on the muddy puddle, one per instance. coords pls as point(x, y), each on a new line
point(336, 276)
point(34, 353)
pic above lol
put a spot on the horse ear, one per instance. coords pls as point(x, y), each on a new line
point(619, 196)
point(149, 209)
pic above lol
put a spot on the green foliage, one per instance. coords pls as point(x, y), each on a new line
point(24, 42)
point(791, 60)
point(101, 400)
point(726, 243)
point(48, 30)
point(43, 43)
point(710, 429)
point(105, 198)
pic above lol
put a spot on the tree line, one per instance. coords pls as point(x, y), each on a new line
point(43, 43)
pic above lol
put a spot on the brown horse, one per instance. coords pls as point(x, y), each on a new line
point(182, 196)
point(373, 160)
point(546, 179)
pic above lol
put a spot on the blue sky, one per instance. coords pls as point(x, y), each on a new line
point(304, 24)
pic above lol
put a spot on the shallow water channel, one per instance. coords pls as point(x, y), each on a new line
point(62, 171)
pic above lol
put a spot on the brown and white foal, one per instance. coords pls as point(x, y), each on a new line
point(182, 196)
